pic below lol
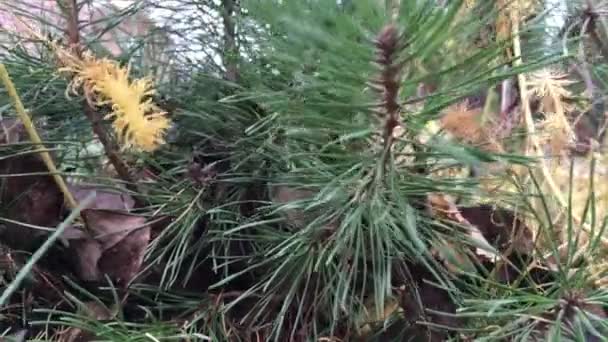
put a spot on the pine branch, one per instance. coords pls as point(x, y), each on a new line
point(388, 84)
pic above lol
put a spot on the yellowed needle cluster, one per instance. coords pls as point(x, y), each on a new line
point(137, 121)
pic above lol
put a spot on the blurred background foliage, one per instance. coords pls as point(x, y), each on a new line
point(328, 168)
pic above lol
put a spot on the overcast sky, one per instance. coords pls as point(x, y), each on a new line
point(121, 3)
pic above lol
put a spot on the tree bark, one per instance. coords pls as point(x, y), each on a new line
point(231, 50)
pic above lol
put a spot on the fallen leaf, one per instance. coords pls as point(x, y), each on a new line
point(467, 126)
point(299, 218)
point(426, 307)
point(31, 199)
point(370, 318)
point(443, 207)
point(284, 195)
point(123, 261)
point(104, 198)
point(12, 130)
point(88, 252)
point(110, 227)
point(114, 246)
point(501, 228)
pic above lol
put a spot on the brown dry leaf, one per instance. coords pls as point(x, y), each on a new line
point(12, 130)
point(284, 195)
point(417, 303)
point(103, 198)
point(462, 122)
point(38, 203)
point(32, 199)
point(116, 249)
point(442, 206)
point(467, 126)
point(371, 317)
point(110, 227)
point(501, 228)
point(507, 234)
point(454, 259)
point(88, 252)
point(123, 261)
point(297, 217)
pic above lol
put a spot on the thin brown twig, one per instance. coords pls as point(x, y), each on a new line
point(387, 84)
point(110, 147)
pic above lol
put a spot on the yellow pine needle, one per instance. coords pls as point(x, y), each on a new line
point(534, 146)
point(551, 87)
point(35, 138)
point(136, 120)
point(467, 125)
